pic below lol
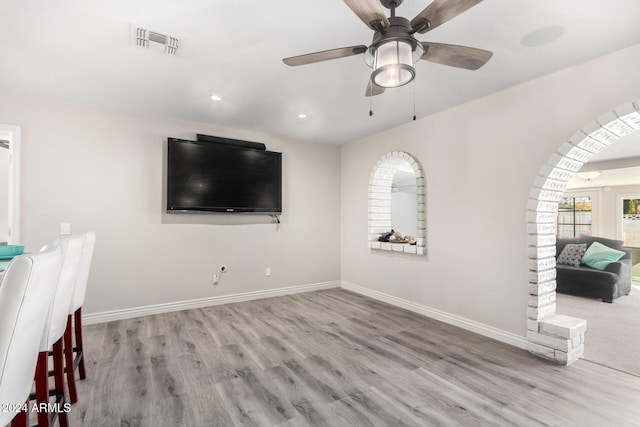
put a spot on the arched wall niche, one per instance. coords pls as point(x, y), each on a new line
point(550, 335)
point(380, 210)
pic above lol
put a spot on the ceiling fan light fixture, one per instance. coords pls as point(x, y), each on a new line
point(394, 49)
point(392, 62)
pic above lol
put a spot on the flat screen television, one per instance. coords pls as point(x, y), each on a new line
point(223, 177)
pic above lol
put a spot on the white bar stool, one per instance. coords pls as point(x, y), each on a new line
point(26, 293)
point(71, 249)
point(76, 311)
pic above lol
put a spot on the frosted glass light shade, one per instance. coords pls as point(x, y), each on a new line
point(393, 64)
point(589, 175)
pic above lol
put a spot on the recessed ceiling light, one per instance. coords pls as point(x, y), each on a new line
point(216, 97)
point(302, 116)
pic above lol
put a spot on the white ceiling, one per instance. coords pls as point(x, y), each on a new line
point(618, 163)
point(608, 178)
point(628, 146)
point(81, 51)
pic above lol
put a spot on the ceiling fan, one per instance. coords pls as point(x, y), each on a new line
point(394, 49)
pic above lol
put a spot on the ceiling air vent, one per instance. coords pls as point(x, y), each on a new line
point(152, 40)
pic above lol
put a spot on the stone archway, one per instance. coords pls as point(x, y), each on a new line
point(551, 335)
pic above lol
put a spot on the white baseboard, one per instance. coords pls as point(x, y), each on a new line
point(128, 313)
point(452, 319)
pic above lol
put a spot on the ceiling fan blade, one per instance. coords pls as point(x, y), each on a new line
point(324, 55)
point(373, 89)
point(439, 12)
point(453, 55)
point(369, 11)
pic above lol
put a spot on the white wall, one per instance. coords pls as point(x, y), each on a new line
point(480, 161)
point(103, 171)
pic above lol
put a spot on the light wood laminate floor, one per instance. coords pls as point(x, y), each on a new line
point(331, 358)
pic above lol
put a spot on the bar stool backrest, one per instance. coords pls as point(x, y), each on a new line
point(26, 292)
point(83, 271)
point(71, 249)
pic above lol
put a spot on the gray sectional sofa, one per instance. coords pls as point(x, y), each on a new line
point(608, 284)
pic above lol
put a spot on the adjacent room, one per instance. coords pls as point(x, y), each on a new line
point(601, 201)
point(337, 213)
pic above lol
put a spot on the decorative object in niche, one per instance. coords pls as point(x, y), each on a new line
point(397, 237)
point(397, 204)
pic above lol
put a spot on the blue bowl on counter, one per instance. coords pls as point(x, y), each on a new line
point(10, 251)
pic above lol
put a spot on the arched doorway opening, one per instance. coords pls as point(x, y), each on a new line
point(549, 334)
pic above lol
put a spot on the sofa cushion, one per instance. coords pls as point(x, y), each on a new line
point(584, 277)
point(589, 239)
point(561, 242)
point(599, 255)
point(588, 282)
point(572, 254)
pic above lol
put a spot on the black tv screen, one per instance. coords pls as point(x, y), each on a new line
point(217, 177)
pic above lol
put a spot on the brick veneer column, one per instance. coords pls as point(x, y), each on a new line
point(550, 335)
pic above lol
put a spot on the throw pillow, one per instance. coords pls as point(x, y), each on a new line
point(599, 256)
point(572, 254)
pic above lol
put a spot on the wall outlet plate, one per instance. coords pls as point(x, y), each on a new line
point(65, 228)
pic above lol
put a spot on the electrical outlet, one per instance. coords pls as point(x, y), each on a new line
point(216, 279)
point(65, 228)
point(267, 271)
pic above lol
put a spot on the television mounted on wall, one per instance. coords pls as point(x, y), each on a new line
point(223, 175)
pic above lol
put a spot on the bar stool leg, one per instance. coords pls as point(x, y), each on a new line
point(78, 333)
point(21, 419)
point(42, 387)
point(58, 381)
point(68, 362)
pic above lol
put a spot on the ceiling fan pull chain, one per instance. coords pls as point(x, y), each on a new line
point(414, 100)
point(371, 99)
